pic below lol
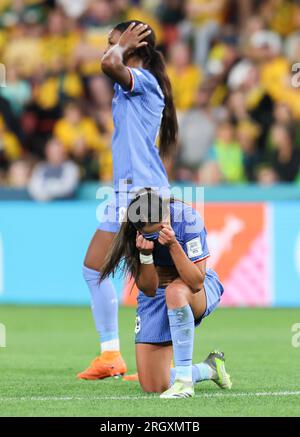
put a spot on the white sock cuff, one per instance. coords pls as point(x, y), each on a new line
point(111, 345)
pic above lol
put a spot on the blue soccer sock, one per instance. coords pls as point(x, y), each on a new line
point(182, 332)
point(203, 372)
point(200, 372)
point(104, 308)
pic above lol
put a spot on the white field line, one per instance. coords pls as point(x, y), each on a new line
point(144, 397)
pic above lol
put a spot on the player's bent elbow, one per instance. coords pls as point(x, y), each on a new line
point(110, 64)
point(107, 66)
point(196, 286)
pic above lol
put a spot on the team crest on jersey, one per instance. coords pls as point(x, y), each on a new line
point(137, 324)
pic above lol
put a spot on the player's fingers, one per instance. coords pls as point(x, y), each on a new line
point(167, 233)
point(162, 241)
point(142, 44)
point(147, 244)
point(139, 240)
point(132, 26)
point(138, 29)
point(151, 245)
point(141, 27)
point(144, 35)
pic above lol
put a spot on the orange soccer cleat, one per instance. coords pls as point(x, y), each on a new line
point(106, 365)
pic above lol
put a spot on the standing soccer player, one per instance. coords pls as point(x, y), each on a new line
point(143, 107)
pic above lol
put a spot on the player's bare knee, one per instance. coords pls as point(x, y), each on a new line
point(175, 295)
point(152, 385)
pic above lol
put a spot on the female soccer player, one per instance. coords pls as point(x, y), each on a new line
point(142, 108)
point(164, 249)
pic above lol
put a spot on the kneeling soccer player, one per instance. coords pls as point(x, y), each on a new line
point(163, 243)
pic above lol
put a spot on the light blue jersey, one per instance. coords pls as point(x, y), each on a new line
point(152, 321)
point(190, 233)
point(137, 116)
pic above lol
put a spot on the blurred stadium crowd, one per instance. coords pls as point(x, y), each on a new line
point(230, 63)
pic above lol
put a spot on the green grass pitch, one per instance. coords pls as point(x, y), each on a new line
point(46, 347)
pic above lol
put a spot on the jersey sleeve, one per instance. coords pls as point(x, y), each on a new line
point(194, 237)
point(140, 82)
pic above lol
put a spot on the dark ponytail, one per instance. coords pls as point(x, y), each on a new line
point(153, 61)
point(169, 125)
point(123, 248)
point(148, 207)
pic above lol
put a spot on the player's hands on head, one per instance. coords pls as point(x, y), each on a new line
point(167, 236)
point(144, 246)
point(132, 38)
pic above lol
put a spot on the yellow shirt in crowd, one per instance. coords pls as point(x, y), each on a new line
point(47, 93)
point(59, 47)
point(185, 85)
point(282, 20)
point(25, 54)
point(276, 80)
point(86, 129)
point(215, 14)
point(9, 142)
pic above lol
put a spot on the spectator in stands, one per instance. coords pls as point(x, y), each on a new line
point(82, 140)
point(285, 158)
point(10, 148)
point(16, 90)
point(55, 178)
point(185, 77)
point(247, 134)
point(227, 152)
point(279, 15)
point(205, 17)
point(196, 134)
point(73, 9)
point(24, 48)
point(249, 98)
point(210, 174)
point(171, 14)
point(75, 126)
point(266, 175)
point(59, 40)
point(19, 174)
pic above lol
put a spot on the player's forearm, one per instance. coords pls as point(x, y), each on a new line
point(148, 280)
point(112, 62)
point(187, 270)
point(113, 66)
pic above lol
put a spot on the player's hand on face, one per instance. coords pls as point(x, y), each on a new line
point(167, 236)
point(144, 246)
point(132, 38)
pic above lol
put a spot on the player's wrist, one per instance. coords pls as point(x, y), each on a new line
point(173, 245)
point(119, 49)
point(146, 258)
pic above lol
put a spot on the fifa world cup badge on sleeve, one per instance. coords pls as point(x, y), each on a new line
point(194, 248)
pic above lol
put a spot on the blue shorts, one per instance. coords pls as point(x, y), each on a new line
point(152, 322)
